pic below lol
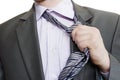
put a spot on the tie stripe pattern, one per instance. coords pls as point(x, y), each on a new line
point(76, 60)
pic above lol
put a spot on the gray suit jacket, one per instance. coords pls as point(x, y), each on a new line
point(20, 52)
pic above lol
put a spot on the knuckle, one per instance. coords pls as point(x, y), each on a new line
point(82, 45)
point(77, 33)
point(96, 30)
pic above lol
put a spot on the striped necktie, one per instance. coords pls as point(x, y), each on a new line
point(76, 60)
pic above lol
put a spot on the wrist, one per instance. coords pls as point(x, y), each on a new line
point(104, 64)
point(100, 58)
point(105, 67)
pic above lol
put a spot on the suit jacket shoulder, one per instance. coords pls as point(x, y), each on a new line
point(109, 25)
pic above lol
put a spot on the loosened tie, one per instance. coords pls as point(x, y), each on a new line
point(76, 60)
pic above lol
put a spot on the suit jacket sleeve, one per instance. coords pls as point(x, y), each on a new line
point(1, 72)
point(115, 55)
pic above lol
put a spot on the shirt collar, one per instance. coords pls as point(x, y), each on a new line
point(65, 8)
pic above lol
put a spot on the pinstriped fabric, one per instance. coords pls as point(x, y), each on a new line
point(76, 60)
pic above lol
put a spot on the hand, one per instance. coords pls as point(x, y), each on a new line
point(90, 37)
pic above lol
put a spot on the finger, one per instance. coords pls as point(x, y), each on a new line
point(83, 44)
point(74, 31)
point(82, 37)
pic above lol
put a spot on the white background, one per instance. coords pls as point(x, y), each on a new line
point(11, 8)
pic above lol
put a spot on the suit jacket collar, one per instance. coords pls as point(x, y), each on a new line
point(28, 40)
point(28, 14)
point(80, 12)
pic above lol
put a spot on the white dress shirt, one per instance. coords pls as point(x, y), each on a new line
point(54, 42)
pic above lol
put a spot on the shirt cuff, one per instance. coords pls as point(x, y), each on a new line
point(105, 75)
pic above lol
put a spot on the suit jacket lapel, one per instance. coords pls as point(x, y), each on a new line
point(29, 46)
point(83, 15)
